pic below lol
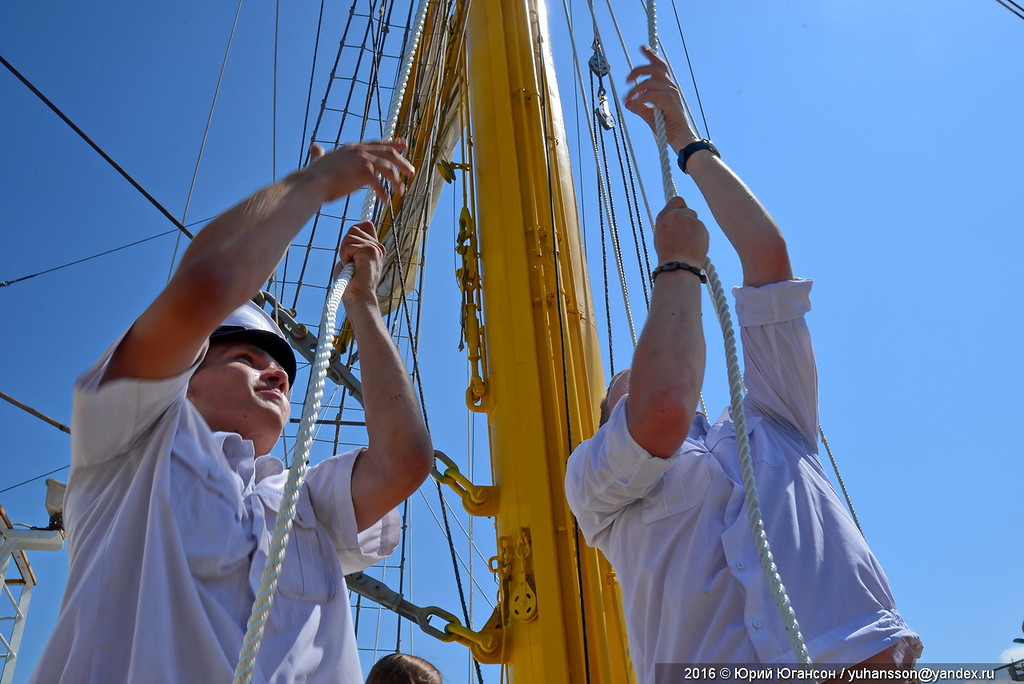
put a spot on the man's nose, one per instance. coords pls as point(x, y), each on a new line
point(276, 375)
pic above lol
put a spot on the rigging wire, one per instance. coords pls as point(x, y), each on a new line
point(1013, 7)
point(206, 134)
point(39, 477)
point(399, 277)
point(693, 76)
point(42, 416)
point(5, 283)
point(755, 518)
point(560, 300)
point(279, 541)
point(342, 44)
point(613, 231)
point(56, 110)
point(309, 93)
point(273, 96)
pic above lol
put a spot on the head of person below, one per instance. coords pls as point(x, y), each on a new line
point(658, 488)
point(173, 492)
point(402, 668)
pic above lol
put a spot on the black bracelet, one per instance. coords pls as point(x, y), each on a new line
point(687, 152)
point(678, 266)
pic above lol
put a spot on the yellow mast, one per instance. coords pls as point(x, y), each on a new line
point(543, 367)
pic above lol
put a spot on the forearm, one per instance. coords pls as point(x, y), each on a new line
point(236, 253)
point(751, 230)
point(668, 365)
point(399, 454)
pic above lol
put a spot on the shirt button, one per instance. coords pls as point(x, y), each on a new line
point(756, 622)
point(741, 565)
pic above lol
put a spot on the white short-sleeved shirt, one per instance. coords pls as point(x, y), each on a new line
point(677, 533)
point(168, 529)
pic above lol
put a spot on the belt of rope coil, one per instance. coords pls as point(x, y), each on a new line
point(764, 552)
point(311, 405)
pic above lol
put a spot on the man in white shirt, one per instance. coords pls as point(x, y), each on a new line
point(172, 495)
point(658, 488)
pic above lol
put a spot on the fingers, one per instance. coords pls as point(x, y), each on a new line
point(360, 236)
point(657, 68)
point(367, 164)
point(386, 162)
point(676, 209)
point(653, 90)
point(679, 235)
point(315, 152)
point(676, 202)
point(359, 244)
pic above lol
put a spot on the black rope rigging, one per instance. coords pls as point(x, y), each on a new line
point(303, 147)
point(359, 77)
point(99, 150)
point(315, 136)
point(604, 275)
point(613, 227)
point(398, 276)
point(5, 283)
point(40, 415)
point(39, 477)
point(689, 64)
point(633, 209)
point(1013, 7)
point(559, 299)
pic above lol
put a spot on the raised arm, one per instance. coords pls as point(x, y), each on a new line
point(752, 232)
point(399, 453)
point(668, 364)
point(232, 257)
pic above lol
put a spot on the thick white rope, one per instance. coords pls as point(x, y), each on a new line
point(721, 304)
point(311, 407)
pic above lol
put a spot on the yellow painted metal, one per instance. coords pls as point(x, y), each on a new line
point(543, 369)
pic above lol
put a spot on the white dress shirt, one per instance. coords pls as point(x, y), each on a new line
point(677, 533)
point(168, 529)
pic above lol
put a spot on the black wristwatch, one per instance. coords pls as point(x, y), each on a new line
point(686, 152)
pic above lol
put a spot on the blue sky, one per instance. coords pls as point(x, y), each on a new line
point(884, 138)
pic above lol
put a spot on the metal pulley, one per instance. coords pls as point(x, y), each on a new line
point(598, 62)
point(603, 112)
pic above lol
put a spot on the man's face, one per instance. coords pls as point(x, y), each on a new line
point(241, 388)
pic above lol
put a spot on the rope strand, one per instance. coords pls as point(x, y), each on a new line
point(721, 305)
point(314, 395)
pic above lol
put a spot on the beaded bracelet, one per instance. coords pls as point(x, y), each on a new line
point(678, 266)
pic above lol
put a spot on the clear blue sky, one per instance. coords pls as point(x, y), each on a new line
point(884, 138)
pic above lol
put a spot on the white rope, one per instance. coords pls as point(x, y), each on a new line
point(659, 118)
point(839, 478)
point(311, 407)
point(768, 567)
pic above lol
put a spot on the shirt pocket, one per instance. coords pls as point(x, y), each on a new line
point(310, 570)
point(680, 489)
point(214, 534)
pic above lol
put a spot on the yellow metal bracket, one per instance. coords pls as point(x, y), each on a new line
point(523, 595)
point(476, 499)
point(468, 276)
point(447, 169)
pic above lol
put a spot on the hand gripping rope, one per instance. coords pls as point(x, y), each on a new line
point(311, 407)
point(718, 298)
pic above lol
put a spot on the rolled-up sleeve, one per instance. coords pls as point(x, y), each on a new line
point(607, 473)
point(107, 417)
point(330, 491)
point(778, 359)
